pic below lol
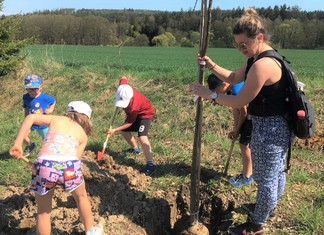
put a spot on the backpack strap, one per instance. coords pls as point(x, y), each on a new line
point(273, 54)
point(288, 165)
point(283, 61)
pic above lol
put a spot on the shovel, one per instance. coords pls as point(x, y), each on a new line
point(229, 157)
point(26, 160)
point(102, 152)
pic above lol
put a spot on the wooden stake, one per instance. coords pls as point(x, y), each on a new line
point(196, 155)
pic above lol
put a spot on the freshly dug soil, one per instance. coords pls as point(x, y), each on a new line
point(119, 202)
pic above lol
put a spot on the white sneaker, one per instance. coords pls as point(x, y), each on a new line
point(96, 230)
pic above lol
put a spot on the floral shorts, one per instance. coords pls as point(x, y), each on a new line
point(46, 174)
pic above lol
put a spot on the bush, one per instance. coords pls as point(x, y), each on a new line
point(10, 48)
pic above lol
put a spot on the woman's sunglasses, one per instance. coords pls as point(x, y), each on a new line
point(240, 45)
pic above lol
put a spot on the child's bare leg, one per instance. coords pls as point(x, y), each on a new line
point(84, 207)
point(246, 160)
point(44, 208)
point(129, 138)
point(146, 146)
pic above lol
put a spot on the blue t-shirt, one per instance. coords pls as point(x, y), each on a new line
point(37, 105)
point(236, 88)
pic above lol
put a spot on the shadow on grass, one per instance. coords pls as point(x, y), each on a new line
point(5, 156)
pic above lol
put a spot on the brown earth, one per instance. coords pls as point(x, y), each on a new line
point(118, 198)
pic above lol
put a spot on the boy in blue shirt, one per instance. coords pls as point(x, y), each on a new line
point(34, 101)
point(242, 128)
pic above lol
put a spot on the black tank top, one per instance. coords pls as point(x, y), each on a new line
point(271, 100)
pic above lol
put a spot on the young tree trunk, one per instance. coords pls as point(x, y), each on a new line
point(196, 155)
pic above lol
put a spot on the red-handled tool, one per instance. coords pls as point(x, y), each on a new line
point(102, 152)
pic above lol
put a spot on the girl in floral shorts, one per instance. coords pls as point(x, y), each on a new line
point(59, 162)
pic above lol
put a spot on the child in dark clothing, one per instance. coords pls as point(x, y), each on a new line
point(242, 127)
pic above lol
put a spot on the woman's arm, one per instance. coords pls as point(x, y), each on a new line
point(231, 77)
point(261, 73)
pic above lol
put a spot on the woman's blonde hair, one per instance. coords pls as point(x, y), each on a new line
point(84, 121)
point(251, 24)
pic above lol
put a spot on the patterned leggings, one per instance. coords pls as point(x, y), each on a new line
point(269, 145)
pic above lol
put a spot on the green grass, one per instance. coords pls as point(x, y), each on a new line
point(92, 73)
point(310, 219)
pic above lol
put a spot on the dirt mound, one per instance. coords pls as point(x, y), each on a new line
point(118, 200)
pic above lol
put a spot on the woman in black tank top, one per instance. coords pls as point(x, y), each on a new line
point(264, 92)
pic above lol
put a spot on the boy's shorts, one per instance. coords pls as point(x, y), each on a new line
point(246, 132)
point(42, 132)
point(46, 174)
point(141, 126)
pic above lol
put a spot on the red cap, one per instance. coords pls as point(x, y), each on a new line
point(301, 113)
point(123, 80)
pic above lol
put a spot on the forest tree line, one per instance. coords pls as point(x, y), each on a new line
point(290, 27)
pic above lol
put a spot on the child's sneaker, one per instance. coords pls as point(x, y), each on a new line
point(96, 230)
point(247, 228)
point(149, 170)
point(135, 150)
point(29, 149)
point(240, 180)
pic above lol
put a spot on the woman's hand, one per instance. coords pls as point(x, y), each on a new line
point(200, 90)
point(209, 63)
point(16, 151)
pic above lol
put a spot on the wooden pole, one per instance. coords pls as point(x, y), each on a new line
point(196, 155)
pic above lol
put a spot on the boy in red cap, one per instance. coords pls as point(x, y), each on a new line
point(139, 116)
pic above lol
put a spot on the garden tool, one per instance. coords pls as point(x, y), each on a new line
point(26, 160)
point(229, 157)
point(102, 152)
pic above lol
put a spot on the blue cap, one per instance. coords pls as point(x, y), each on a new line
point(32, 81)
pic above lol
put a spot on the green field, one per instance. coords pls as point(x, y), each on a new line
point(92, 73)
point(165, 62)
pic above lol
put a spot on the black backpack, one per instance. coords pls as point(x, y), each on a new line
point(301, 117)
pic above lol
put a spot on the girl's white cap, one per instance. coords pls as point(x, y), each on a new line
point(80, 107)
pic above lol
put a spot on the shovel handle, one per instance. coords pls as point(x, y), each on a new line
point(25, 160)
point(229, 157)
point(100, 154)
point(105, 143)
point(111, 124)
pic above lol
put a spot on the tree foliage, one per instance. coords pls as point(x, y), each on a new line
point(9, 47)
point(164, 40)
point(290, 26)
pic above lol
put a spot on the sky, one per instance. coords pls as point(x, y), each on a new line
point(28, 6)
